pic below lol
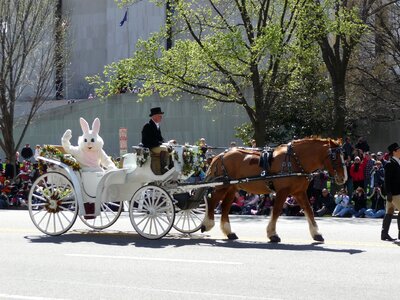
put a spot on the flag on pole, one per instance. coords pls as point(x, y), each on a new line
point(124, 19)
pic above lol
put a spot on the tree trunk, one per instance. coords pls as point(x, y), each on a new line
point(339, 109)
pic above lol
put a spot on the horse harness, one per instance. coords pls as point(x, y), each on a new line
point(286, 167)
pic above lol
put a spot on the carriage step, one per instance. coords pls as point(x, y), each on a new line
point(89, 210)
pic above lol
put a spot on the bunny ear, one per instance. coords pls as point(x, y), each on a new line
point(84, 125)
point(96, 126)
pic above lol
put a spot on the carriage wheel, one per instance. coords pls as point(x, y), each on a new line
point(109, 214)
point(191, 220)
point(52, 203)
point(152, 212)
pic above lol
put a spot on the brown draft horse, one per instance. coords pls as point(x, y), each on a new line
point(306, 156)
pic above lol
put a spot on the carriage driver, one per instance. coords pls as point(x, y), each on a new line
point(152, 139)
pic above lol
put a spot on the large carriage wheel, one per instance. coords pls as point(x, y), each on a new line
point(109, 214)
point(52, 203)
point(190, 220)
point(152, 212)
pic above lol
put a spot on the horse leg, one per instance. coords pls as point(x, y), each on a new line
point(302, 200)
point(276, 212)
point(216, 196)
point(225, 208)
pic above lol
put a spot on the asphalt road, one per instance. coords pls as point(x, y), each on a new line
point(119, 264)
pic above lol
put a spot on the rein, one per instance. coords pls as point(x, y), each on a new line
point(333, 154)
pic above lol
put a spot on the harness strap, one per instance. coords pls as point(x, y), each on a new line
point(286, 164)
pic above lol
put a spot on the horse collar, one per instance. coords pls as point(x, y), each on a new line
point(286, 164)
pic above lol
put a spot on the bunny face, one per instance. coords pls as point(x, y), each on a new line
point(90, 141)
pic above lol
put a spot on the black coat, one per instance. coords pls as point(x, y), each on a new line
point(151, 135)
point(27, 152)
point(392, 177)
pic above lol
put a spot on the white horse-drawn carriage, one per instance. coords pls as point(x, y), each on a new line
point(157, 203)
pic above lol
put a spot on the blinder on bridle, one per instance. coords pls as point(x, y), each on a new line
point(335, 157)
point(335, 152)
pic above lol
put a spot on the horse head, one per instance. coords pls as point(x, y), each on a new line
point(336, 166)
point(318, 153)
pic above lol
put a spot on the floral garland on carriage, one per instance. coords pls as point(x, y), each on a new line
point(194, 163)
point(53, 152)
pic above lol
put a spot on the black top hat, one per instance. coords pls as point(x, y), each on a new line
point(393, 147)
point(155, 111)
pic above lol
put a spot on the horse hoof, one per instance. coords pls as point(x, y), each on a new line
point(232, 236)
point(318, 238)
point(203, 228)
point(274, 239)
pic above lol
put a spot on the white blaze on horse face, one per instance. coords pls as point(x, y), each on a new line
point(344, 168)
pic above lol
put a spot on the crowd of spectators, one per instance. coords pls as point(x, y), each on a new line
point(16, 177)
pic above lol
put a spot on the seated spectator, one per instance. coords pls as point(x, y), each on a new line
point(250, 203)
point(377, 209)
point(3, 200)
point(325, 204)
point(238, 203)
point(265, 205)
point(291, 207)
point(343, 205)
point(360, 203)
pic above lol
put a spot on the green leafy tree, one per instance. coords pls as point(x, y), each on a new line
point(247, 53)
point(339, 27)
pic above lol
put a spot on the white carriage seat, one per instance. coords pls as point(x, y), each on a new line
point(107, 187)
point(90, 181)
point(130, 162)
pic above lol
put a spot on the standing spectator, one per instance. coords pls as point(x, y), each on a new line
point(360, 202)
point(377, 175)
point(27, 152)
point(367, 170)
point(357, 172)
point(38, 149)
point(392, 187)
point(349, 182)
point(381, 158)
point(362, 144)
point(348, 148)
point(9, 169)
point(325, 203)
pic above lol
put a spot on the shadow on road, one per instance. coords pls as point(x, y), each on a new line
point(120, 238)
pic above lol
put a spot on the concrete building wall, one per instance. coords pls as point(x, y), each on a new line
point(96, 38)
point(185, 121)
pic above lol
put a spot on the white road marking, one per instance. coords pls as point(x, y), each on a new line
point(8, 296)
point(157, 259)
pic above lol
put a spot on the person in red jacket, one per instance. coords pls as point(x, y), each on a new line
point(357, 172)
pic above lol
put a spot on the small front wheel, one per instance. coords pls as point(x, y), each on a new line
point(190, 219)
point(52, 203)
point(152, 212)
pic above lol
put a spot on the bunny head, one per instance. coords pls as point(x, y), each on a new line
point(90, 141)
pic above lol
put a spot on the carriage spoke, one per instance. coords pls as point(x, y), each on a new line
point(52, 203)
point(151, 212)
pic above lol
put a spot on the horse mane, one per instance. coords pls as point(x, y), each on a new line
point(331, 141)
point(245, 151)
